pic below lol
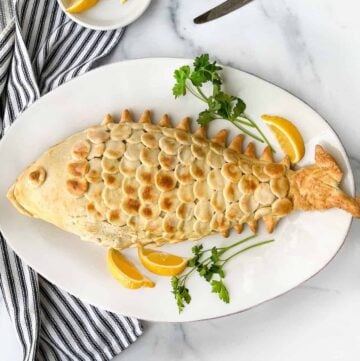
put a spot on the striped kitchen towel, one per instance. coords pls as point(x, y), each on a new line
point(40, 49)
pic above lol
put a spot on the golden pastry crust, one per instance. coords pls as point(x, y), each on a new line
point(123, 183)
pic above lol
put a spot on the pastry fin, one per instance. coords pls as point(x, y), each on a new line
point(270, 222)
point(220, 137)
point(165, 121)
point(237, 142)
point(252, 225)
point(200, 132)
point(250, 150)
point(145, 117)
point(325, 160)
point(286, 161)
point(266, 155)
point(107, 119)
point(184, 124)
point(239, 228)
point(126, 117)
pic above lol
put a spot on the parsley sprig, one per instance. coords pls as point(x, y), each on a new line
point(209, 263)
point(220, 104)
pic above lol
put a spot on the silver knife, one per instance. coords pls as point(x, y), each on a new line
point(221, 10)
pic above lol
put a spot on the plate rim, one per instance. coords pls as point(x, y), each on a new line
point(350, 174)
point(116, 25)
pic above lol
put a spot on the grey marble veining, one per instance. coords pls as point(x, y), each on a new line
point(312, 49)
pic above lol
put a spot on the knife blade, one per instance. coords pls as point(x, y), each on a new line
point(221, 10)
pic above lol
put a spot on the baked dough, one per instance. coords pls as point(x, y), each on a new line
point(123, 183)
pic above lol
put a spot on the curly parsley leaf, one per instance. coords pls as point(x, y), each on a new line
point(210, 265)
point(181, 76)
point(220, 105)
point(219, 288)
point(205, 117)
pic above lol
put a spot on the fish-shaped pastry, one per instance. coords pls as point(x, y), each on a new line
point(123, 183)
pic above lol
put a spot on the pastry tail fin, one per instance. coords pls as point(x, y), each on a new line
point(317, 187)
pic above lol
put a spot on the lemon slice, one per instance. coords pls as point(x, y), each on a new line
point(288, 136)
point(125, 272)
point(161, 263)
point(78, 6)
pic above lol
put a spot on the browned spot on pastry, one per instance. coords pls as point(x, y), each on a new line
point(115, 217)
point(282, 207)
point(185, 178)
point(168, 145)
point(198, 151)
point(185, 193)
point(96, 151)
point(130, 206)
point(129, 189)
point(90, 207)
point(149, 140)
point(258, 171)
point(78, 168)
point(77, 187)
point(94, 213)
point(147, 212)
point(37, 176)
point(34, 175)
point(182, 211)
point(81, 149)
point(215, 179)
point(165, 181)
point(167, 162)
point(245, 166)
point(182, 174)
point(93, 176)
point(146, 177)
point(112, 181)
point(98, 134)
point(219, 223)
point(170, 223)
point(167, 203)
point(280, 186)
point(231, 172)
point(248, 184)
point(274, 170)
point(199, 172)
point(148, 194)
point(230, 191)
point(111, 153)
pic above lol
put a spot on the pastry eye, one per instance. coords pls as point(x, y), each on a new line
point(37, 176)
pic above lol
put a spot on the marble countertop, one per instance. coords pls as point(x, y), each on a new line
point(312, 49)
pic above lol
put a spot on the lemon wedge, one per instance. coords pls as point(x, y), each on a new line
point(125, 272)
point(288, 136)
point(78, 6)
point(161, 263)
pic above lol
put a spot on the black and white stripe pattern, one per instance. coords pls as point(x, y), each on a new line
point(40, 49)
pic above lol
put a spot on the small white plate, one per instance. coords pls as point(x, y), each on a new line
point(305, 241)
point(108, 14)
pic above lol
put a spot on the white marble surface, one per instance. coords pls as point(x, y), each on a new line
point(311, 48)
